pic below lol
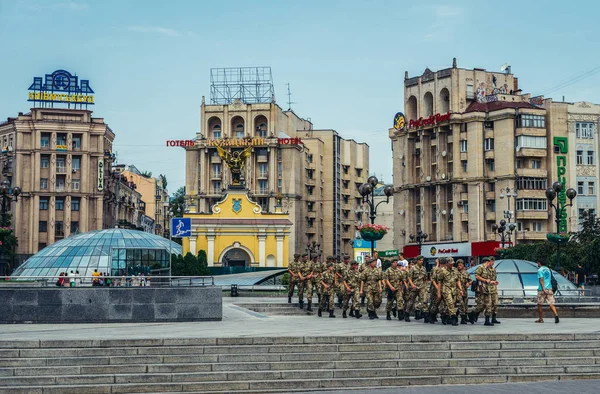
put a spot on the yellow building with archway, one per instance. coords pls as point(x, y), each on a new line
point(237, 233)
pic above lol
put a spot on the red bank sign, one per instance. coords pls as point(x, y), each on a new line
point(430, 121)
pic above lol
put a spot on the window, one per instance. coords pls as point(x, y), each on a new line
point(579, 157)
point(491, 165)
point(263, 169)
point(492, 205)
point(580, 188)
point(528, 141)
point(216, 170)
point(537, 227)
point(75, 184)
point(263, 185)
point(345, 169)
point(489, 144)
point(590, 157)
point(216, 132)
point(529, 183)
point(43, 183)
point(526, 120)
point(61, 139)
point(239, 131)
point(536, 164)
point(463, 146)
point(43, 226)
point(264, 203)
point(591, 188)
point(261, 130)
point(43, 203)
point(464, 165)
point(584, 130)
point(74, 204)
point(519, 163)
point(60, 184)
point(309, 158)
point(74, 227)
point(470, 91)
point(488, 125)
point(60, 204)
point(279, 185)
point(279, 169)
point(310, 206)
point(60, 165)
point(45, 140)
point(465, 207)
point(58, 229)
point(44, 161)
point(76, 163)
point(279, 155)
point(216, 187)
point(532, 204)
point(76, 142)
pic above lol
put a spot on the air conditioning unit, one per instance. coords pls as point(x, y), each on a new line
point(428, 178)
point(460, 203)
point(73, 171)
point(444, 153)
point(417, 152)
point(489, 202)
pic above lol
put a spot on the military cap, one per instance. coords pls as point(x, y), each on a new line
point(443, 260)
point(330, 257)
point(419, 257)
point(485, 259)
point(296, 254)
point(460, 261)
point(492, 258)
point(346, 257)
point(330, 264)
point(304, 254)
point(450, 260)
point(354, 262)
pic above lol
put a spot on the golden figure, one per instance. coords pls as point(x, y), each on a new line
point(236, 161)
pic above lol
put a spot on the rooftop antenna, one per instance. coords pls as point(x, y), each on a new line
point(289, 94)
point(505, 68)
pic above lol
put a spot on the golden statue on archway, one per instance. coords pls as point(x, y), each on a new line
point(236, 161)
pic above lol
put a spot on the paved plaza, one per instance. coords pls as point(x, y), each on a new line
point(241, 322)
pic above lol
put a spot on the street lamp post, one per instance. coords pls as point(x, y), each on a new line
point(559, 210)
point(367, 191)
point(420, 237)
point(7, 195)
point(503, 232)
point(508, 214)
point(313, 249)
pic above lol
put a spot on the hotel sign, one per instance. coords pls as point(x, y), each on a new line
point(61, 87)
point(232, 142)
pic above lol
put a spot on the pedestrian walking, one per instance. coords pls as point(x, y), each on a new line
point(371, 287)
point(580, 278)
point(327, 282)
point(417, 279)
point(465, 281)
point(352, 285)
point(484, 275)
point(545, 293)
point(293, 276)
point(393, 282)
point(434, 291)
point(306, 282)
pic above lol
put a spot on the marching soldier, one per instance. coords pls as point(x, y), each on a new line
point(450, 283)
point(318, 268)
point(328, 286)
point(361, 268)
point(294, 279)
point(434, 289)
point(371, 286)
point(484, 276)
point(417, 277)
point(494, 291)
point(352, 289)
point(341, 269)
point(403, 289)
point(465, 281)
point(306, 276)
point(393, 281)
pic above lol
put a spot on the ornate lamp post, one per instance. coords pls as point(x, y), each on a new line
point(420, 238)
point(560, 209)
point(7, 195)
point(313, 248)
point(367, 191)
point(503, 232)
point(508, 214)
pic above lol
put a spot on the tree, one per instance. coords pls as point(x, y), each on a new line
point(203, 264)
point(588, 240)
point(146, 174)
point(190, 263)
point(8, 241)
point(163, 181)
point(177, 204)
point(177, 265)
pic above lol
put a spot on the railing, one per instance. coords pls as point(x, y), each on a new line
point(115, 281)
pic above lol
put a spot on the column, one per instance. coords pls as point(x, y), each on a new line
point(262, 244)
point(279, 238)
point(83, 214)
point(67, 216)
point(211, 248)
point(193, 244)
point(99, 222)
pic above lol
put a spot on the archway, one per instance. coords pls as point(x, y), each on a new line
point(411, 108)
point(236, 256)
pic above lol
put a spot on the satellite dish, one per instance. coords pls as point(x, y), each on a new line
point(504, 67)
point(428, 178)
point(443, 153)
point(444, 176)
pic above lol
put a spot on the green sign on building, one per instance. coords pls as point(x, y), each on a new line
point(388, 253)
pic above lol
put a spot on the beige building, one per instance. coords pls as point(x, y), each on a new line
point(124, 206)
point(470, 135)
point(154, 195)
point(310, 174)
point(60, 158)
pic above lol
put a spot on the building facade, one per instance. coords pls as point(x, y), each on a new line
point(471, 138)
point(58, 157)
point(309, 174)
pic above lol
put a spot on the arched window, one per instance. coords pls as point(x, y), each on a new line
point(237, 127)
point(411, 108)
point(428, 103)
point(444, 101)
point(261, 128)
point(214, 128)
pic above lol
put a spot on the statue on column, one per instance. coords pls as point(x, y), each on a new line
point(236, 161)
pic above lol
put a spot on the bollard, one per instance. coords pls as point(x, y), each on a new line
point(234, 290)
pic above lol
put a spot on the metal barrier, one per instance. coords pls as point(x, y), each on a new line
point(101, 281)
point(580, 293)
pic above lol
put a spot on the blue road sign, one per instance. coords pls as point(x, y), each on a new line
point(181, 227)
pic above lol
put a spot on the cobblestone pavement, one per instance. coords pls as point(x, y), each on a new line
point(560, 387)
point(240, 322)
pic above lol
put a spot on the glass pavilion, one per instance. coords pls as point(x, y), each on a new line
point(112, 251)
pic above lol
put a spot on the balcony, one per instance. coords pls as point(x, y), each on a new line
point(490, 195)
point(531, 235)
point(262, 158)
point(311, 230)
point(532, 172)
point(61, 170)
point(311, 197)
point(489, 154)
point(530, 194)
point(312, 214)
point(215, 176)
point(464, 156)
point(464, 217)
point(540, 215)
point(215, 159)
point(532, 152)
point(490, 216)
point(263, 175)
point(310, 182)
point(310, 166)
point(464, 237)
point(464, 196)
point(532, 131)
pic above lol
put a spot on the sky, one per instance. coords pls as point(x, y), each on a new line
point(149, 61)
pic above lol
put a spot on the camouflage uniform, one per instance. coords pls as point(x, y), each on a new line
point(434, 301)
point(394, 276)
point(494, 294)
point(449, 279)
point(371, 278)
point(486, 299)
point(341, 269)
point(305, 268)
point(418, 275)
point(463, 302)
point(293, 280)
point(352, 279)
point(328, 295)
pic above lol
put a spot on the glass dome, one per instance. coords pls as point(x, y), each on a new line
point(112, 251)
point(519, 278)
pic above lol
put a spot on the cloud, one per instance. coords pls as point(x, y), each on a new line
point(155, 29)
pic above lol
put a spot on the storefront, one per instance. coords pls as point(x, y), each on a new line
point(456, 250)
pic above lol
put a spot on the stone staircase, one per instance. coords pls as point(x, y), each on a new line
point(287, 364)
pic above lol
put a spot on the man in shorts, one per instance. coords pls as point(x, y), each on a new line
point(545, 292)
